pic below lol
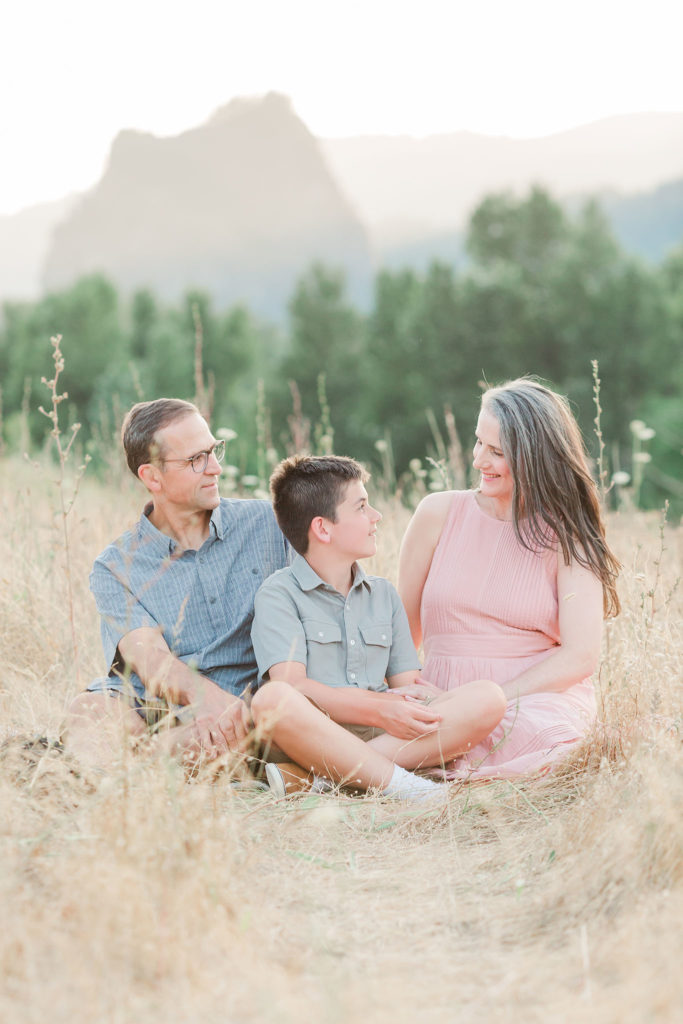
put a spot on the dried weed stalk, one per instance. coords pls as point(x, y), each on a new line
point(67, 489)
point(602, 468)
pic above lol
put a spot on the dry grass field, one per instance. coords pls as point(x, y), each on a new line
point(141, 896)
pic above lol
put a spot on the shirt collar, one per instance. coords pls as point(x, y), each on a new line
point(216, 522)
point(360, 577)
point(164, 545)
point(153, 539)
point(308, 579)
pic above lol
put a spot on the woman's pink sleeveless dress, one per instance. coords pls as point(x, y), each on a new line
point(489, 611)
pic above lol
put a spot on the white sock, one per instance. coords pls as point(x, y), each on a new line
point(405, 785)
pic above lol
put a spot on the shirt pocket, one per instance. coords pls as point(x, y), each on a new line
point(319, 632)
point(325, 659)
point(377, 642)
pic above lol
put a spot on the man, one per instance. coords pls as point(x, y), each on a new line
point(176, 597)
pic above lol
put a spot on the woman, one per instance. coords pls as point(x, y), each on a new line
point(510, 581)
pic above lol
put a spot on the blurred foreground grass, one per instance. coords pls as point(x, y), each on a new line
point(144, 897)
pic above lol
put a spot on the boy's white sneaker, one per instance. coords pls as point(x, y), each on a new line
point(276, 781)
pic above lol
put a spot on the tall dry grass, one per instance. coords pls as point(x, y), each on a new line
point(143, 897)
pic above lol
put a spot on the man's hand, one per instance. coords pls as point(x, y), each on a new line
point(405, 717)
point(222, 721)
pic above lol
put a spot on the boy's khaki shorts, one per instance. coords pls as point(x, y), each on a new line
point(364, 732)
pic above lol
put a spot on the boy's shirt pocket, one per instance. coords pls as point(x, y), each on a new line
point(325, 652)
point(321, 632)
point(377, 640)
point(359, 659)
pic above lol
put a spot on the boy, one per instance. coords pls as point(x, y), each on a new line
point(341, 639)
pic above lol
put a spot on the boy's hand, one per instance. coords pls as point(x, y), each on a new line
point(407, 719)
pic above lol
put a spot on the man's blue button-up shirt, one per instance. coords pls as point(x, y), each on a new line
point(203, 600)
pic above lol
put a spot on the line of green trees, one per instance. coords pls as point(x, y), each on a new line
point(542, 292)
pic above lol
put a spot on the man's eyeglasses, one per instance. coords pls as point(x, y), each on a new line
point(200, 461)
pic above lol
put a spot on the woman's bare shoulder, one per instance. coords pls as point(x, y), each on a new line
point(433, 510)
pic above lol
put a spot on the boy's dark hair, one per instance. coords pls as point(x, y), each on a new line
point(143, 422)
point(306, 486)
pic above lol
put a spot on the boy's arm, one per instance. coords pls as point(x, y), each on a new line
point(349, 705)
point(279, 641)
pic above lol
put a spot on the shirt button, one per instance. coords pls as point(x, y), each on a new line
point(384, 636)
point(352, 675)
point(212, 599)
point(352, 642)
point(321, 634)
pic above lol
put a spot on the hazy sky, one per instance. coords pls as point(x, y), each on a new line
point(75, 72)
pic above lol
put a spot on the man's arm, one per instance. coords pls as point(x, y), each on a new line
point(132, 638)
point(221, 720)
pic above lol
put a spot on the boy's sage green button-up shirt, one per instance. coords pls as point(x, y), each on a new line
point(357, 640)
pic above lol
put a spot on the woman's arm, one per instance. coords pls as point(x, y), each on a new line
point(579, 594)
point(417, 551)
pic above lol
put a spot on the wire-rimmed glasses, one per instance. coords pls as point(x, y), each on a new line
point(200, 461)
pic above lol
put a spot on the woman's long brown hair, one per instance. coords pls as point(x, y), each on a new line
point(554, 495)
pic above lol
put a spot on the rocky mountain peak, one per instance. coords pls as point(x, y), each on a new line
point(239, 206)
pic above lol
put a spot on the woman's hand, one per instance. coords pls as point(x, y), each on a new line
point(420, 690)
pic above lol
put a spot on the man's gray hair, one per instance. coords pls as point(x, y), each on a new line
point(143, 423)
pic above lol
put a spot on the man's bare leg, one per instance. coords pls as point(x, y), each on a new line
point(98, 725)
